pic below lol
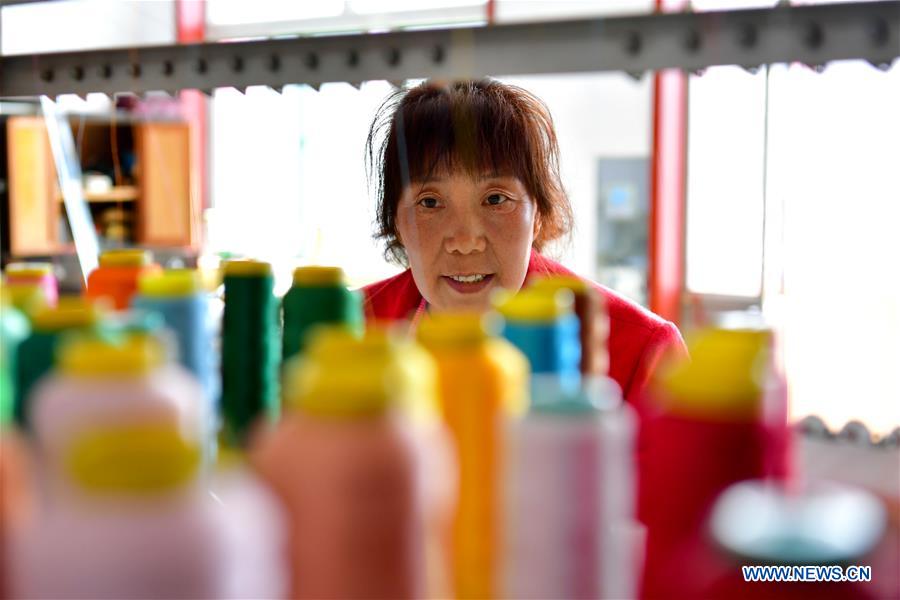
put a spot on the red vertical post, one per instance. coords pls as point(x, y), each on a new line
point(190, 26)
point(667, 186)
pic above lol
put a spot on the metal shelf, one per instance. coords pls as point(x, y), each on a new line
point(813, 35)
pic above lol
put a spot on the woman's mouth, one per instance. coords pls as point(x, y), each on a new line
point(469, 283)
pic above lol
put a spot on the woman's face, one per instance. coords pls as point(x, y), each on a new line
point(465, 237)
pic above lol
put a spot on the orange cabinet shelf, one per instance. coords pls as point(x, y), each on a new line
point(152, 174)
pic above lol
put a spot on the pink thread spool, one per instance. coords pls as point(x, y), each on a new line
point(34, 274)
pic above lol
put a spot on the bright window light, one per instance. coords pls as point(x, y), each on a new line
point(365, 7)
point(235, 12)
point(726, 151)
point(837, 135)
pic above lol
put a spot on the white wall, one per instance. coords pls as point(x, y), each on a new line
point(83, 24)
point(596, 115)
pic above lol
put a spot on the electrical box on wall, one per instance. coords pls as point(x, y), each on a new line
point(623, 225)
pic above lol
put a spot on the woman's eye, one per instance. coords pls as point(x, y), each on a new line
point(428, 202)
point(497, 199)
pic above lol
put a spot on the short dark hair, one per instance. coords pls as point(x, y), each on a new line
point(481, 126)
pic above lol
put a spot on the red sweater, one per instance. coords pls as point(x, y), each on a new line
point(638, 339)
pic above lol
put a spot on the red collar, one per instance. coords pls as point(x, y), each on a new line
point(399, 298)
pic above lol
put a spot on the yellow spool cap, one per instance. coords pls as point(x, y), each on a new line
point(92, 356)
point(29, 270)
point(561, 282)
point(455, 329)
point(534, 304)
point(247, 268)
point(343, 376)
point(319, 276)
point(725, 377)
point(27, 297)
point(125, 257)
point(170, 283)
point(70, 312)
point(137, 459)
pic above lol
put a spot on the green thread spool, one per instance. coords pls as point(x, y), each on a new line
point(13, 330)
point(318, 296)
point(37, 353)
point(249, 349)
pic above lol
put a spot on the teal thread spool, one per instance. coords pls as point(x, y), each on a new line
point(14, 329)
point(250, 349)
point(319, 295)
point(36, 354)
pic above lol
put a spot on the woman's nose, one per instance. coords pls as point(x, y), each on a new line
point(465, 235)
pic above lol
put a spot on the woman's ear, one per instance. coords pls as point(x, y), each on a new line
point(537, 226)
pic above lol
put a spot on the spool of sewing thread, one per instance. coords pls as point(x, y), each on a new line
point(542, 325)
point(710, 432)
point(178, 296)
point(37, 352)
point(569, 494)
point(16, 498)
point(131, 491)
point(120, 429)
point(250, 349)
point(593, 321)
point(15, 485)
point(107, 380)
point(482, 383)
point(347, 469)
point(14, 328)
point(117, 276)
point(319, 295)
point(34, 274)
point(569, 490)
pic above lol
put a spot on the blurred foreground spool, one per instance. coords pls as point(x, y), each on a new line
point(711, 431)
point(348, 469)
point(37, 352)
point(569, 497)
point(114, 381)
point(32, 284)
point(482, 383)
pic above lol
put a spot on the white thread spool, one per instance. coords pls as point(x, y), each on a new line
point(569, 495)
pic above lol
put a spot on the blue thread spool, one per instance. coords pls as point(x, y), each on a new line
point(178, 296)
point(542, 324)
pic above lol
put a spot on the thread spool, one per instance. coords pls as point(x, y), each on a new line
point(570, 498)
point(178, 296)
point(117, 276)
point(39, 275)
point(14, 329)
point(711, 431)
point(482, 382)
point(589, 308)
point(36, 353)
point(249, 349)
point(318, 296)
point(542, 325)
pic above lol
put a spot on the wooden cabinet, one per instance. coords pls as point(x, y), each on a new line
point(167, 216)
point(149, 203)
point(33, 211)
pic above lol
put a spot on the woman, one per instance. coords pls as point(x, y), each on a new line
point(469, 193)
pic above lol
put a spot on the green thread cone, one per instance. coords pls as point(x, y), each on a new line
point(249, 349)
point(318, 296)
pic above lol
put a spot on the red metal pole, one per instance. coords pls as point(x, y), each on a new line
point(667, 186)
